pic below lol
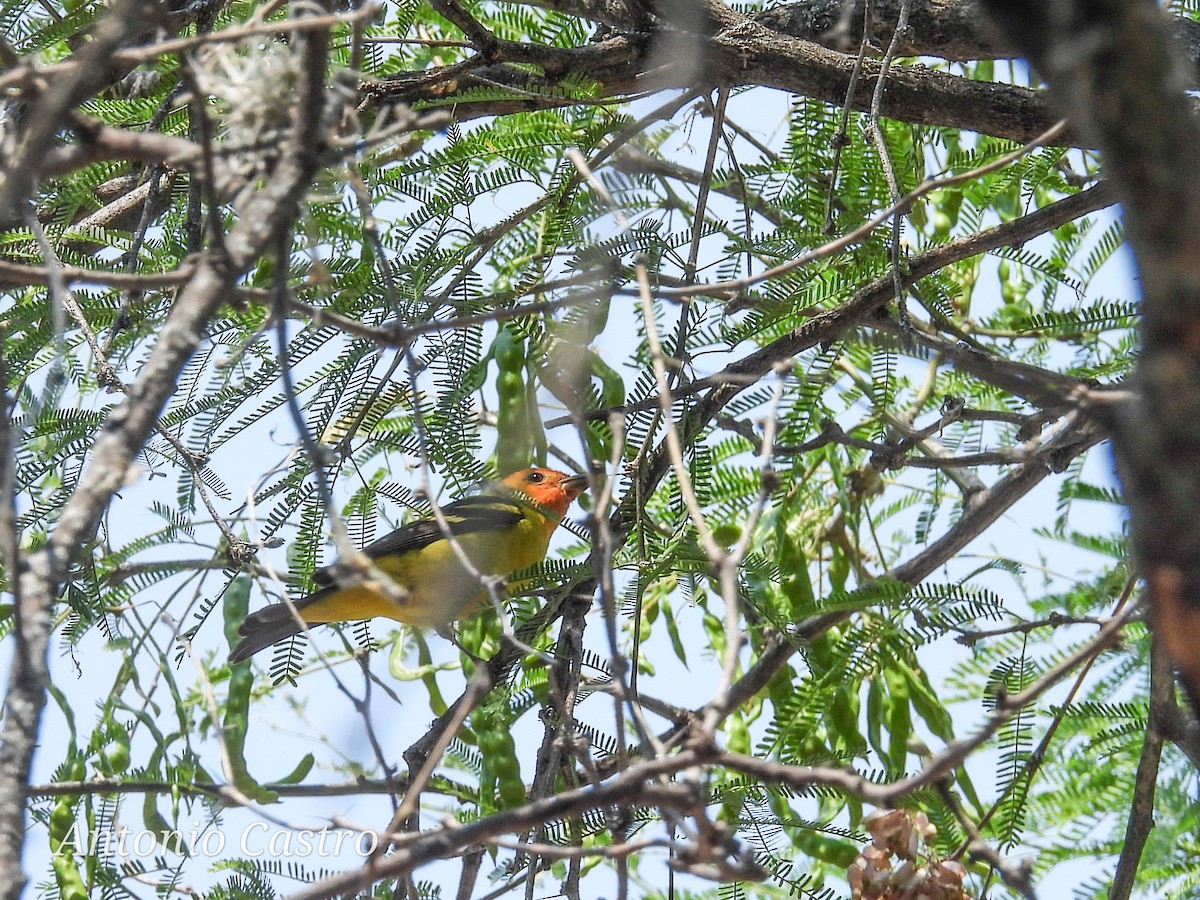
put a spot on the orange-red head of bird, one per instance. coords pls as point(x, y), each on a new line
point(552, 490)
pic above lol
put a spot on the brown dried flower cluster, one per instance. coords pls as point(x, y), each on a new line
point(897, 864)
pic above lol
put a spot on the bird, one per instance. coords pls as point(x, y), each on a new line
point(501, 530)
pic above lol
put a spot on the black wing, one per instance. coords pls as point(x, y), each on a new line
point(465, 516)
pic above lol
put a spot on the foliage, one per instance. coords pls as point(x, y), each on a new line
point(809, 585)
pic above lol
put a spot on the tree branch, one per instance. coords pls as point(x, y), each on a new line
point(947, 29)
point(129, 425)
point(742, 54)
point(1112, 67)
point(1141, 810)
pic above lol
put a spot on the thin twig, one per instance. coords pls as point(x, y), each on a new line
point(885, 157)
point(1016, 873)
point(477, 689)
point(1141, 809)
point(737, 285)
point(968, 482)
point(673, 444)
point(969, 638)
point(1123, 612)
point(730, 563)
point(840, 137)
point(624, 670)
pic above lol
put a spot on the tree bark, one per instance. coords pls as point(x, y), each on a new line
point(1111, 66)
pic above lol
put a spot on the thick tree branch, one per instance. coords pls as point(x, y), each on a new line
point(947, 29)
point(742, 53)
point(1111, 66)
point(98, 142)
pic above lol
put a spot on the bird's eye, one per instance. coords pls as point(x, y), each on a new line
point(535, 477)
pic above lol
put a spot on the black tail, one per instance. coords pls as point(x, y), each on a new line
point(263, 628)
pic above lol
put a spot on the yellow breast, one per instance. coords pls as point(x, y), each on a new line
point(440, 588)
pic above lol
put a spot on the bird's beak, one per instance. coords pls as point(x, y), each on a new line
point(575, 485)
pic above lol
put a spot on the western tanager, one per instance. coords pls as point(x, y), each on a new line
point(501, 530)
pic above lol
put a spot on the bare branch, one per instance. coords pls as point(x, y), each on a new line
point(1141, 811)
